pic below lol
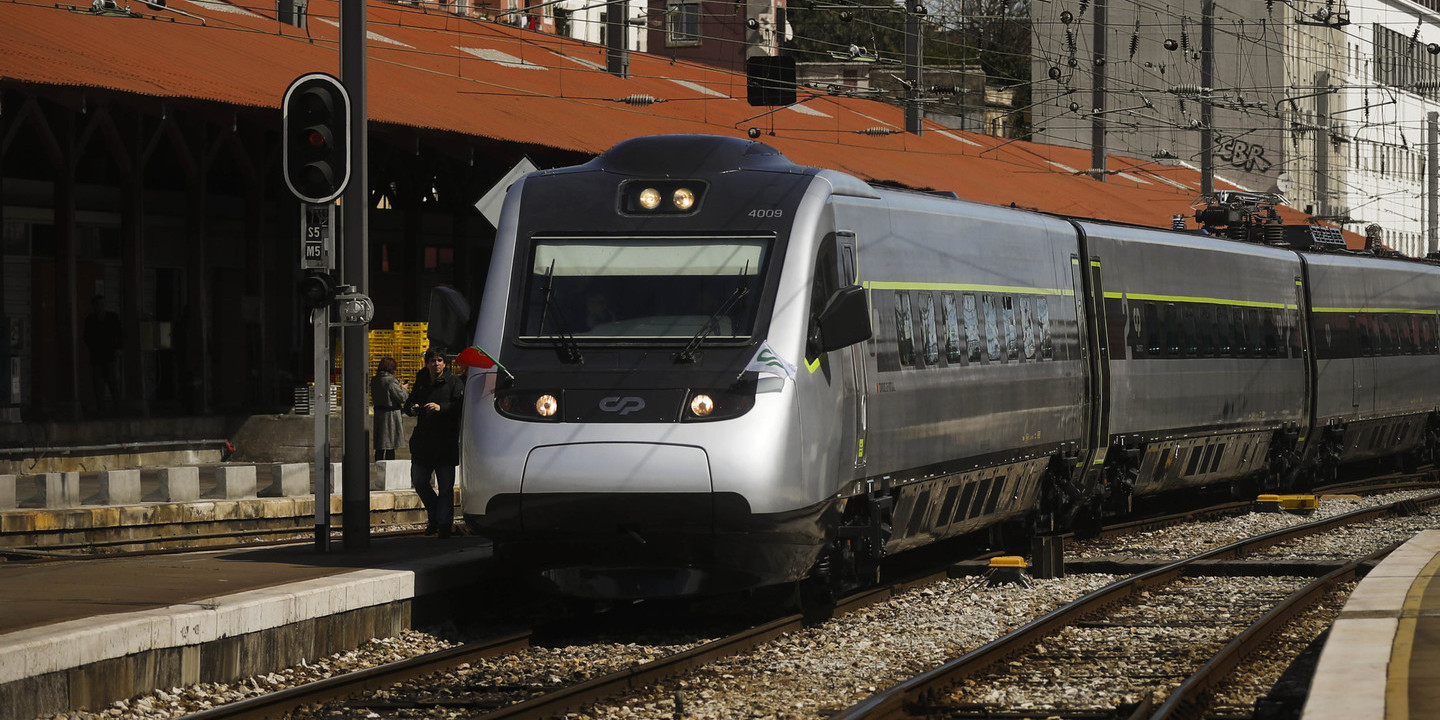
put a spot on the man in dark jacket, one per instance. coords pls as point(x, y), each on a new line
point(435, 444)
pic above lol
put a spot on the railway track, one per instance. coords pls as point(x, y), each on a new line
point(508, 698)
point(1145, 603)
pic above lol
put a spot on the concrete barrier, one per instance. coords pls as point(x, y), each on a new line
point(390, 475)
point(288, 480)
point(7, 492)
point(119, 487)
point(58, 489)
point(235, 482)
point(179, 484)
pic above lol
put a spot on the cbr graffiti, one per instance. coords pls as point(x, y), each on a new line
point(1241, 154)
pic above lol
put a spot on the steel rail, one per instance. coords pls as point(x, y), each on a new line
point(1189, 701)
point(577, 697)
point(895, 702)
point(278, 704)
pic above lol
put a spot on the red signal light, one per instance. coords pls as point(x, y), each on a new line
point(316, 139)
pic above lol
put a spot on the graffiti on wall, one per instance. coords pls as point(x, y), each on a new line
point(1243, 154)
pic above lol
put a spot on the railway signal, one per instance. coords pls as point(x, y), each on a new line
point(316, 138)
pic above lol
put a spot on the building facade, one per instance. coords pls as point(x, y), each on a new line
point(1323, 103)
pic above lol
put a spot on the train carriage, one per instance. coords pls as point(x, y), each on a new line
point(976, 367)
point(1374, 327)
point(1207, 375)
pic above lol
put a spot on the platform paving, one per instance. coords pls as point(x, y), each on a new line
point(1381, 660)
point(79, 633)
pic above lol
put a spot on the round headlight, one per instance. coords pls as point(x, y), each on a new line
point(684, 199)
point(702, 405)
point(649, 198)
point(546, 405)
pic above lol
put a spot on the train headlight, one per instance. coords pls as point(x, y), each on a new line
point(717, 404)
point(702, 405)
point(662, 197)
point(531, 405)
point(683, 198)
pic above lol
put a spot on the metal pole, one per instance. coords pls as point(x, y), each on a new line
point(320, 408)
point(355, 471)
point(1207, 112)
point(617, 54)
point(1322, 145)
point(1097, 95)
point(1432, 189)
point(914, 71)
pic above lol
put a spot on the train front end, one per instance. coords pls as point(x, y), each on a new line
point(621, 449)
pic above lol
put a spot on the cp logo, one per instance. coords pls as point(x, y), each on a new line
point(622, 405)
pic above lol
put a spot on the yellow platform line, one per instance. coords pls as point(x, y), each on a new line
point(1397, 683)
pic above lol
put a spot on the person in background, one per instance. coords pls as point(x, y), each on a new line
point(435, 443)
point(104, 338)
point(389, 396)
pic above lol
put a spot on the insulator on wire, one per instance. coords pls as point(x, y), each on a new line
point(948, 89)
point(876, 131)
point(1134, 43)
point(1070, 41)
point(1084, 5)
point(639, 99)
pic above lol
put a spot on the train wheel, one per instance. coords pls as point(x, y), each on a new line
point(816, 598)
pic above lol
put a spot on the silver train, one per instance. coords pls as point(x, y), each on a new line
point(956, 366)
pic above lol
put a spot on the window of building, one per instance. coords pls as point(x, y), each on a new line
point(682, 22)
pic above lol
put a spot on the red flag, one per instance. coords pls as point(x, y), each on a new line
point(475, 357)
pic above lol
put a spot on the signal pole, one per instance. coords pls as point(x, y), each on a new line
point(355, 467)
point(914, 67)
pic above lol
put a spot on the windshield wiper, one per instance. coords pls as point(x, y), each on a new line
point(564, 342)
point(687, 353)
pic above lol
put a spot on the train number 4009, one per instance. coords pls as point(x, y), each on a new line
point(766, 213)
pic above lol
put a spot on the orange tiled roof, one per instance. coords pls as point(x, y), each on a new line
point(433, 69)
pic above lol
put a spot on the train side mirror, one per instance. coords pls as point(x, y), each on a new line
point(845, 319)
point(449, 319)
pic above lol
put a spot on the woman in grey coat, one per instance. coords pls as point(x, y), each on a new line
point(388, 395)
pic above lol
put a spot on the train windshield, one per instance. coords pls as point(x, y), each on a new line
point(624, 289)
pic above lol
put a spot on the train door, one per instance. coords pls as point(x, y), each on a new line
point(850, 275)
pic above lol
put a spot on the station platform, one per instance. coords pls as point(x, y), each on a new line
point(1382, 659)
point(83, 633)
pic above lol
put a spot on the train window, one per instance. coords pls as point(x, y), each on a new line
point(927, 328)
point(1173, 331)
point(1011, 349)
point(904, 330)
point(992, 329)
point(1042, 319)
point(1362, 334)
point(1427, 335)
point(1272, 333)
point(1206, 329)
point(608, 288)
point(1242, 331)
point(953, 350)
point(1191, 347)
point(972, 329)
point(1222, 332)
point(1151, 330)
point(823, 284)
point(1292, 332)
point(1027, 318)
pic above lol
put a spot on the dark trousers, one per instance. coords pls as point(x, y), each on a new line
point(439, 507)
